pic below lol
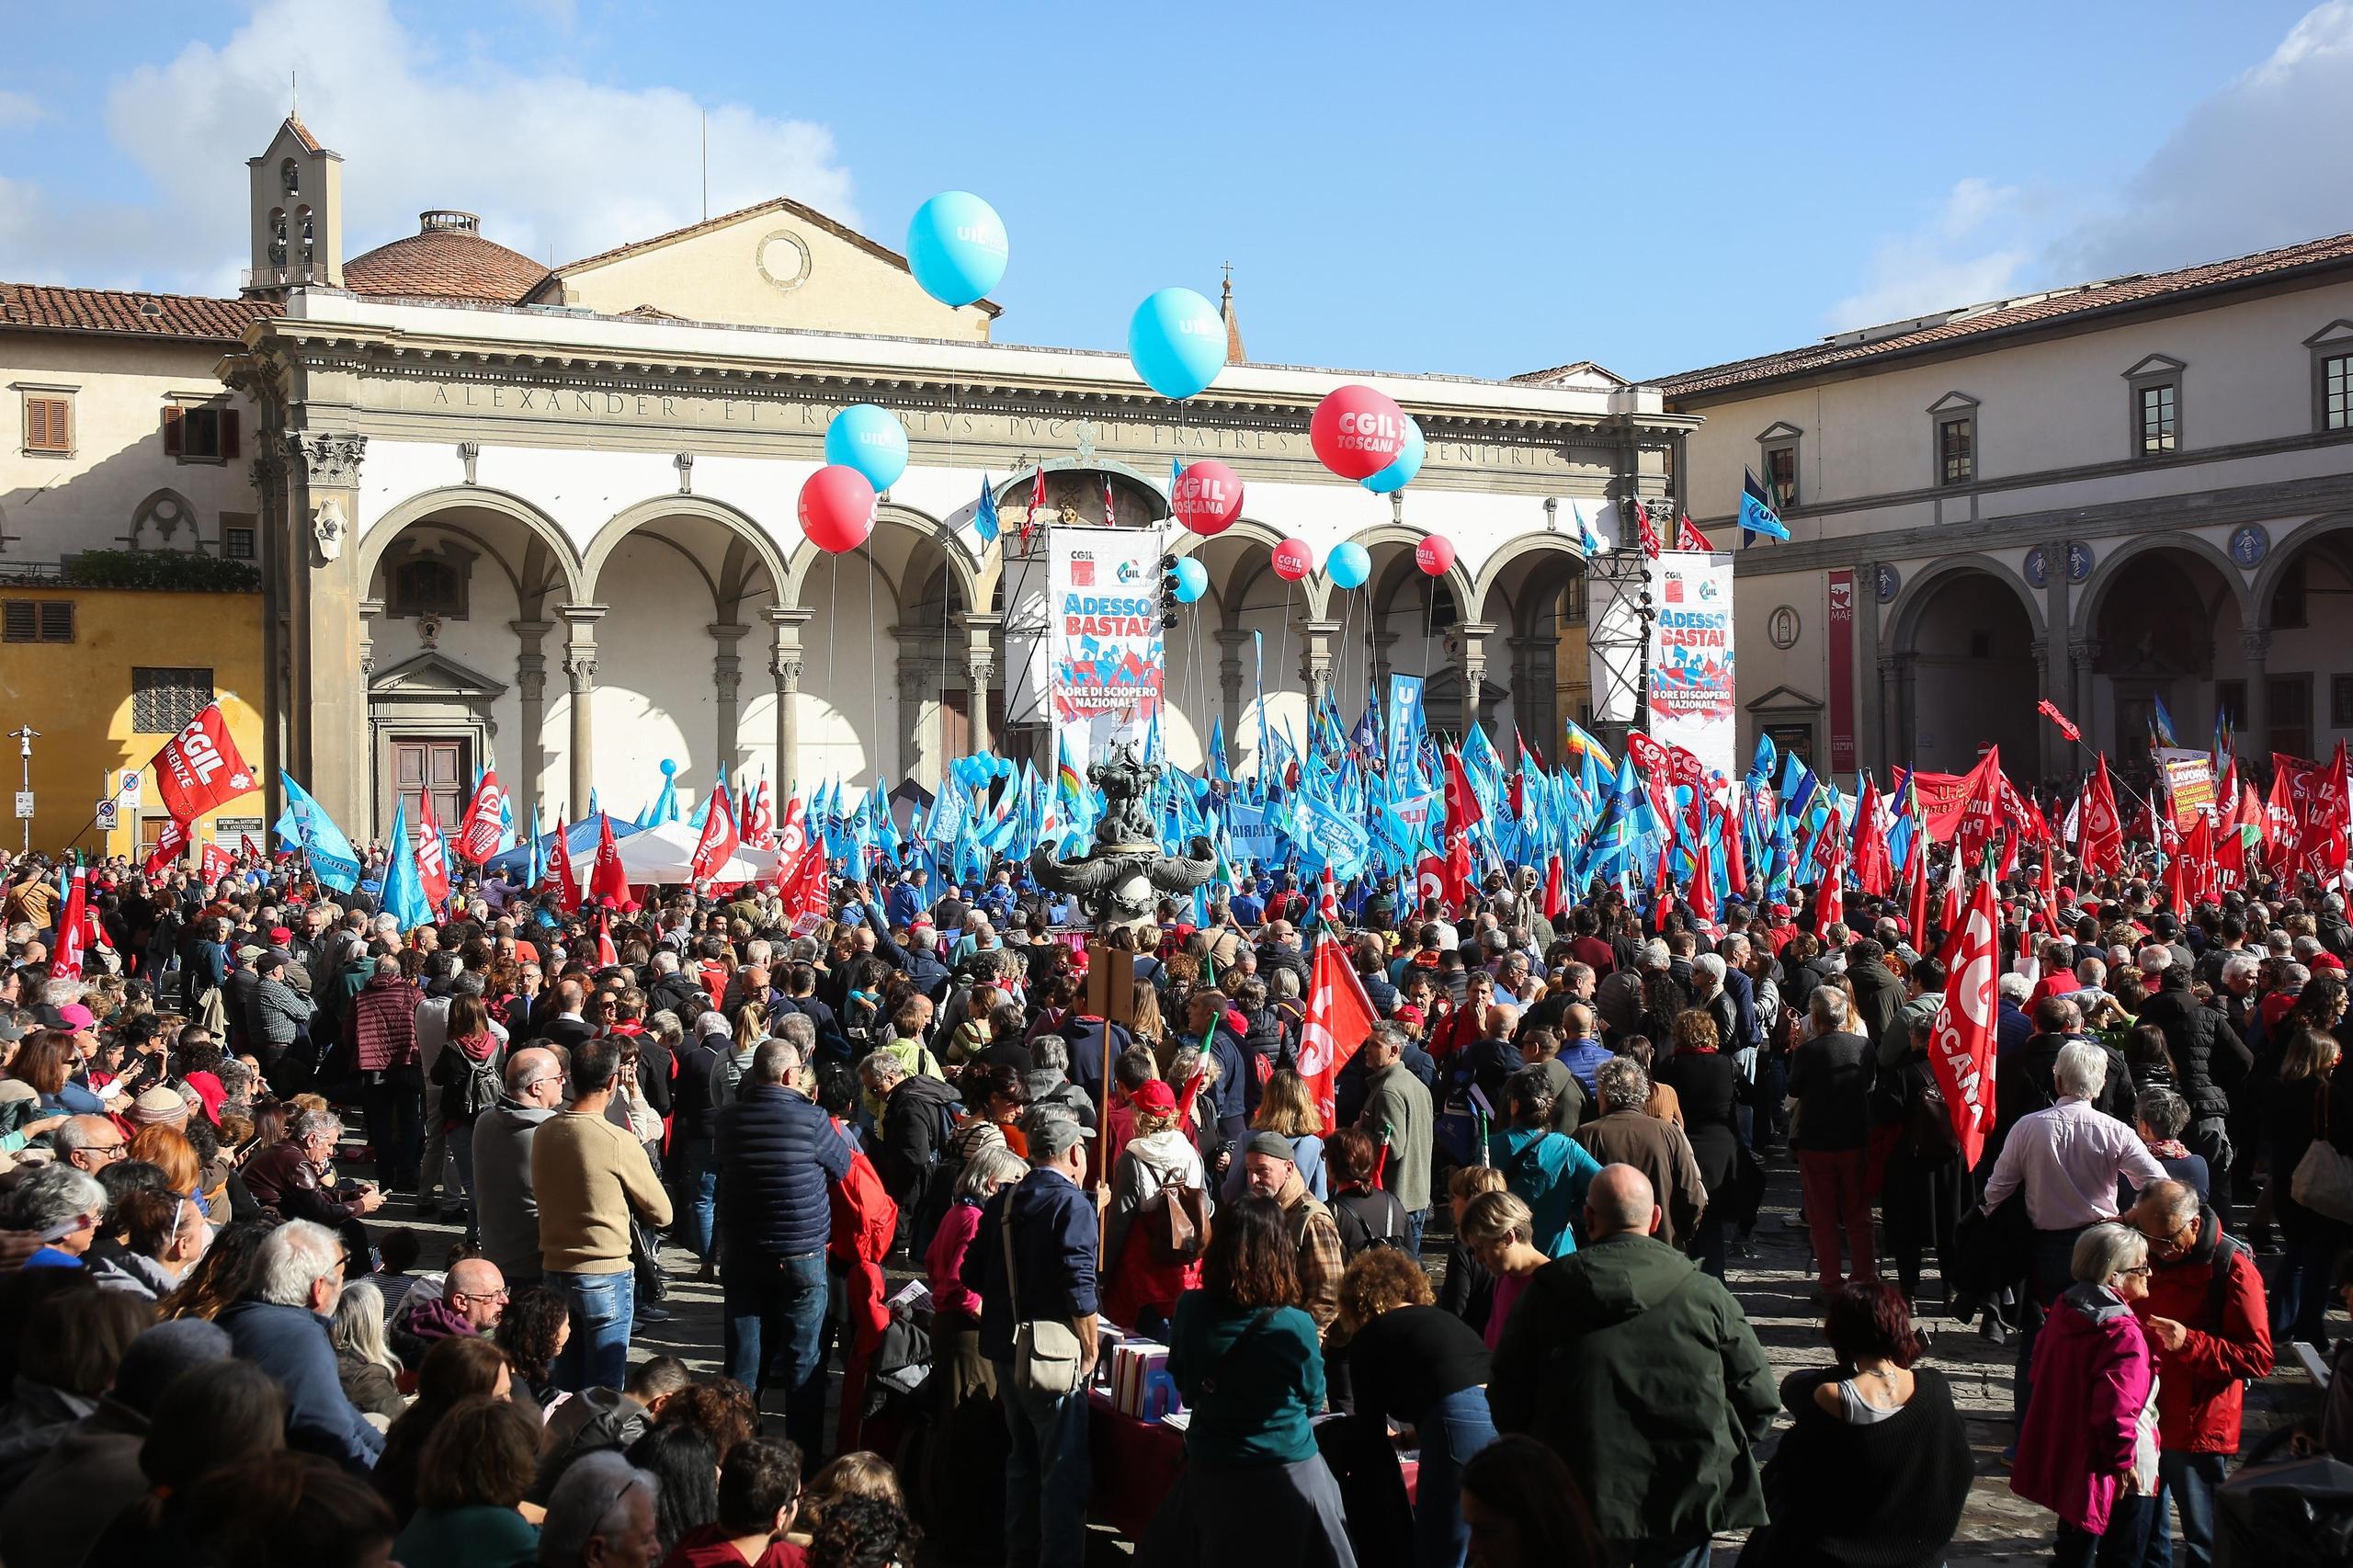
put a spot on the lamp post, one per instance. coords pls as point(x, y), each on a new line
point(26, 735)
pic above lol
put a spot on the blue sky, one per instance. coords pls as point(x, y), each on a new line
point(1482, 189)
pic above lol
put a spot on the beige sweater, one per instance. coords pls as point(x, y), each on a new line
point(586, 1174)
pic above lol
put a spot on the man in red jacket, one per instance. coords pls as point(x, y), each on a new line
point(380, 1022)
point(2205, 1315)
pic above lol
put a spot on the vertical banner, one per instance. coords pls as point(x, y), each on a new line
point(1842, 670)
point(1691, 693)
point(1406, 726)
point(1106, 667)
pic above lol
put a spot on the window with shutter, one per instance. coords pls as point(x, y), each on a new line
point(165, 700)
point(56, 620)
point(22, 619)
point(49, 423)
point(174, 429)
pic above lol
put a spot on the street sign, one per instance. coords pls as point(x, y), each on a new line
point(129, 793)
point(24, 805)
point(106, 814)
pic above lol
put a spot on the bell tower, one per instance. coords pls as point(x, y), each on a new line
point(297, 214)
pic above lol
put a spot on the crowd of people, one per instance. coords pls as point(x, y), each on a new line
point(1462, 1302)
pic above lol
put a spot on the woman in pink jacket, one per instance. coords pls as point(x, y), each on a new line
point(2089, 1451)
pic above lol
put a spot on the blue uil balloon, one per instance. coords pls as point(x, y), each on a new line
point(1404, 466)
point(1192, 580)
point(870, 440)
point(1349, 566)
point(956, 247)
point(1176, 342)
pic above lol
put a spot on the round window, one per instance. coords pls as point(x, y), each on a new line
point(784, 260)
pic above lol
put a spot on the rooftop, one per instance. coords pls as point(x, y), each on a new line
point(446, 258)
point(1963, 327)
point(127, 313)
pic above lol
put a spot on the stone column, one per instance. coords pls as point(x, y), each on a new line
point(2087, 710)
point(531, 685)
point(1316, 664)
point(331, 690)
point(2057, 670)
point(1872, 746)
point(267, 476)
point(1884, 712)
point(1473, 635)
point(916, 677)
point(2045, 732)
point(580, 664)
point(1534, 694)
point(980, 672)
point(727, 683)
point(1229, 674)
point(784, 665)
point(2254, 724)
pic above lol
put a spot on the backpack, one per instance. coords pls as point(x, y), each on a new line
point(1356, 1233)
point(1927, 1121)
point(468, 1087)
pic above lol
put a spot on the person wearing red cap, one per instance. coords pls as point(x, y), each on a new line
point(1159, 1169)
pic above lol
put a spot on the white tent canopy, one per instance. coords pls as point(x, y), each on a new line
point(663, 853)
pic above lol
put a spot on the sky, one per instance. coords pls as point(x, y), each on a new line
point(1480, 189)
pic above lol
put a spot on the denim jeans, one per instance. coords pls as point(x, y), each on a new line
point(697, 1196)
point(602, 1305)
point(776, 1318)
point(1451, 1431)
point(2190, 1480)
point(2122, 1545)
point(1048, 1476)
point(1416, 1221)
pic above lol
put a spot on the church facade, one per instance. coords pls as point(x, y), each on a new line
point(544, 519)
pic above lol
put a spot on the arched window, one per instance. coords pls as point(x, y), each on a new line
point(290, 178)
point(278, 236)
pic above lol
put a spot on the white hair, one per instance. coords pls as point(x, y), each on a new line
point(2015, 987)
point(57, 1194)
point(293, 1257)
point(592, 1494)
point(2106, 1251)
point(2241, 963)
point(1709, 965)
point(2090, 970)
point(1828, 1005)
point(2082, 1069)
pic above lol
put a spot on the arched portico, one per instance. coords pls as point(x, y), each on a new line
point(1960, 664)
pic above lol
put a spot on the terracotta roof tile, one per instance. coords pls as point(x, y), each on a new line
point(445, 264)
point(2024, 314)
point(42, 307)
point(302, 133)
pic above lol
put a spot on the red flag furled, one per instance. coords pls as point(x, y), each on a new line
point(484, 822)
point(2049, 710)
point(607, 954)
point(717, 846)
point(607, 878)
point(1649, 534)
point(1736, 854)
point(1703, 897)
point(1949, 917)
point(1339, 1019)
point(1688, 537)
point(73, 929)
point(1915, 873)
point(1110, 518)
point(2101, 830)
point(1961, 1048)
point(560, 872)
point(1556, 901)
point(432, 854)
point(1874, 868)
point(1830, 854)
point(199, 768)
point(1462, 809)
point(212, 863)
point(169, 844)
point(248, 848)
point(759, 817)
point(1035, 518)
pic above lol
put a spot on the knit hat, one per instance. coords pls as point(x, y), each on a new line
point(1274, 1146)
point(159, 1106)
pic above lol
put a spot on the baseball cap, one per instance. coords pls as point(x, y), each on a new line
point(280, 935)
point(74, 1016)
point(1154, 1096)
point(1051, 1133)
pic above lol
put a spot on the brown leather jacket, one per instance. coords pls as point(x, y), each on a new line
point(290, 1186)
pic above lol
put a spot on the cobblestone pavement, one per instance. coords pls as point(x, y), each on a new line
point(1775, 1286)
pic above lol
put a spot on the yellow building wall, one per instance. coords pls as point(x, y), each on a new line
point(77, 694)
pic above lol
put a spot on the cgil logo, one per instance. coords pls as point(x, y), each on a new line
point(203, 759)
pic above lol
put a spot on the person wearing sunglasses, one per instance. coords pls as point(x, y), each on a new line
point(2087, 1448)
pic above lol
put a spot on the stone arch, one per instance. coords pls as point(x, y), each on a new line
point(977, 594)
point(1513, 551)
point(1388, 583)
point(659, 508)
point(173, 519)
point(1240, 541)
point(1903, 620)
point(1965, 673)
point(424, 506)
point(2094, 593)
point(2257, 603)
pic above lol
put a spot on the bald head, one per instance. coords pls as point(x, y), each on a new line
point(1620, 1200)
point(477, 1288)
point(534, 1077)
point(2166, 1206)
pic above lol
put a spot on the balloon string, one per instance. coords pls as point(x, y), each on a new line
point(874, 682)
point(1282, 650)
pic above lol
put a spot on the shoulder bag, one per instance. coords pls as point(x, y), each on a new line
point(1049, 1358)
point(2324, 1178)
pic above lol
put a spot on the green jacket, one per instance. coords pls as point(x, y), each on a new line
point(1397, 1108)
point(1643, 1374)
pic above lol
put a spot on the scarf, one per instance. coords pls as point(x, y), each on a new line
point(2168, 1149)
point(477, 1047)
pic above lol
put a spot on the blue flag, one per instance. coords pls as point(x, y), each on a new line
point(1757, 513)
point(404, 898)
point(984, 516)
point(306, 825)
point(536, 870)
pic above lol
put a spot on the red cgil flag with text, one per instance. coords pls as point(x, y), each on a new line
point(559, 869)
point(199, 768)
point(168, 846)
point(432, 855)
point(212, 863)
point(484, 822)
point(718, 844)
point(1339, 1019)
point(1961, 1048)
point(607, 877)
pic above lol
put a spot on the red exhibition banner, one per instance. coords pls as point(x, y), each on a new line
point(1842, 669)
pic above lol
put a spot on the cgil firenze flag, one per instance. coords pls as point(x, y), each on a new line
point(198, 768)
point(485, 823)
point(1961, 1048)
point(1339, 1019)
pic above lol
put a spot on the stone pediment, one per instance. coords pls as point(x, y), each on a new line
point(1784, 699)
point(433, 675)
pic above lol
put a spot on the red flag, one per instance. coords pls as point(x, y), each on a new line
point(2049, 710)
point(1686, 771)
point(73, 929)
point(1736, 853)
point(1556, 902)
point(607, 954)
point(2321, 851)
point(432, 854)
point(1960, 1049)
point(1035, 518)
point(759, 818)
point(1874, 868)
point(212, 863)
point(484, 822)
point(607, 878)
point(2100, 829)
point(168, 846)
point(1462, 801)
point(1339, 1019)
point(2046, 914)
point(801, 884)
point(717, 846)
point(1431, 879)
point(1110, 519)
point(1688, 537)
point(1656, 764)
point(1830, 854)
point(1916, 872)
point(248, 848)
point(1327, 900)
point(1649, 534)
point(198, 768)
point(2230, 860)
point(1703, 883)
point(793, 835)
point(560, 872)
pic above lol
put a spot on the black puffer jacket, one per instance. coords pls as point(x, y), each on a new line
point(2207, 1054)
point(775, 1151)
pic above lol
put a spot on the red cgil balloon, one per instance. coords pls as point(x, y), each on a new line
point(1357, 431)
point(1293, 560)
point(836, 508)
point(1434, 555)
point(1207, 498)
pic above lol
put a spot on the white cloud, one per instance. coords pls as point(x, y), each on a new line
point(17, 109)
point(557, 165)
point(2261, 162)
point(1970, 249)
